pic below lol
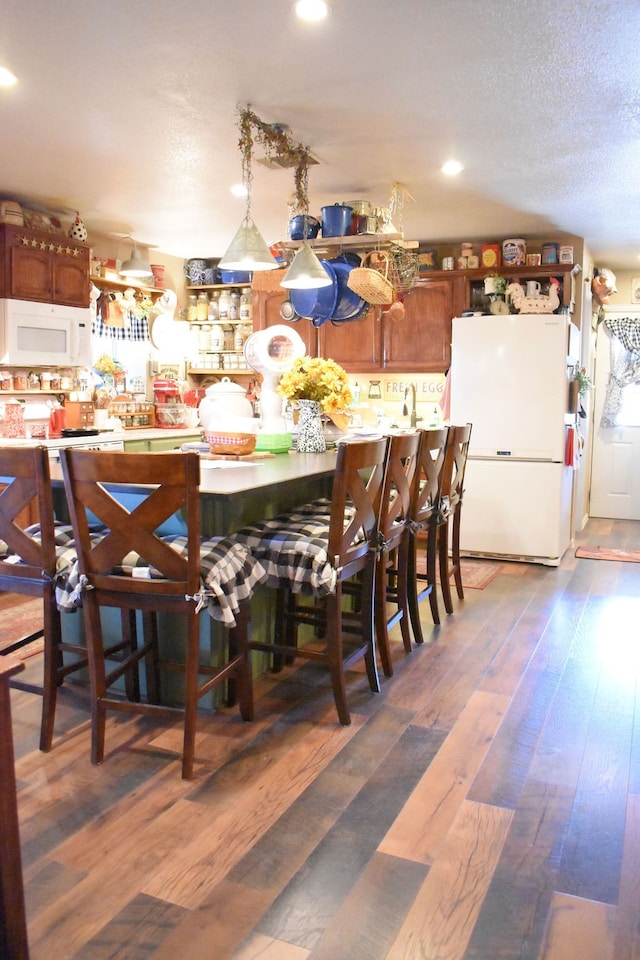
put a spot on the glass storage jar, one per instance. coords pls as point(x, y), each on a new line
point(202, 306)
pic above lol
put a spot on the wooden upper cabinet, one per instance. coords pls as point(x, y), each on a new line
point(47, 267)
point(354, 344)
point(267, 297)
point(421, 340)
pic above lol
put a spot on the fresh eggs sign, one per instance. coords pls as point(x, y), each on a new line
point(429, 388)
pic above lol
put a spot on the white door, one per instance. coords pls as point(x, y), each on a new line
point(615, 466)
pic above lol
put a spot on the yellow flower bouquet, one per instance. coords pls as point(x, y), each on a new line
point(312, 378)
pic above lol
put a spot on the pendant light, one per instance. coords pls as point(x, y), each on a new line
point(135, 266)
point(247, 250)
point(306, 272)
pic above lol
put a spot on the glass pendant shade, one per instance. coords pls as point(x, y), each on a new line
point(135, 266)
point(248, 251)
point(306, 272)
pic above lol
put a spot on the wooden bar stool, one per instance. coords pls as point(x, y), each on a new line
point(455, 462)
point(309, 554)
point(134, 567)
point(31, 558)
point(425, 517)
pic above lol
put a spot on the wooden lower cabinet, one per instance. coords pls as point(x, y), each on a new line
point(136, 445)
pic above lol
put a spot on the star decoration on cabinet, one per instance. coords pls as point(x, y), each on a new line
point(50, 246)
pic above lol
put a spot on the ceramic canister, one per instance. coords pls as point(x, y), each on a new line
point(550, 252)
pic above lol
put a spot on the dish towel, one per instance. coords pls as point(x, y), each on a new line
point(445, 399)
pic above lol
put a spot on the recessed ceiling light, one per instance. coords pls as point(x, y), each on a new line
point(312, 9)
point(7, 79)
point(452, 168)
point(239, 190)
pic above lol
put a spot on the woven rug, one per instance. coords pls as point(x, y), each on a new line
point(608, 553)
point(20, 617)
point(476, 574)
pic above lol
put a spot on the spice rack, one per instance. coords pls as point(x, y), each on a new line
point(133, 413)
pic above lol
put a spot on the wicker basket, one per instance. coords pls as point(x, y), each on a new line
point(236, 444)
point(373, 285)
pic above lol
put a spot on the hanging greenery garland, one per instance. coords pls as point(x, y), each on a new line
point(277, 142)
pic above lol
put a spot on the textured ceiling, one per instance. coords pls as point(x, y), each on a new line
point(127, 112)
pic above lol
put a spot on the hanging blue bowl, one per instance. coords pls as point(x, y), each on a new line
point(317, 303)
point(360, 312)
point(348, 303)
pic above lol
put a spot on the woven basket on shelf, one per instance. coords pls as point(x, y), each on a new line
point(403, 270)
point(373, 285)
point(236, 444)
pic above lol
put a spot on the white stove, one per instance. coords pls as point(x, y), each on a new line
point(99, 442)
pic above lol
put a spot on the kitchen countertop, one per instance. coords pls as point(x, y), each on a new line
point(148, 433)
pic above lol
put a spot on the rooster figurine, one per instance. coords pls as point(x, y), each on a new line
point(541, 304)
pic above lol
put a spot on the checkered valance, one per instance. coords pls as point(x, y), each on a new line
point(134, 328)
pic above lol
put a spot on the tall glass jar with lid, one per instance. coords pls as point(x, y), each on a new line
point(246, 308)
point(202, 305)
point(234, 305)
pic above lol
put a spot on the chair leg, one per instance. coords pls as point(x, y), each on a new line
point(283, 627)
point(240, 685)
point(97, 676)
point(52, 666)
point(402, 592)
point(443, 557)
point(414, 593)
point(151, 668)
point(414, 610)
point(132, 676)
point(190, 694)
point(455, 551)
point(335, 655)
point(381, 626)
point(432, 557)
point(369, 629)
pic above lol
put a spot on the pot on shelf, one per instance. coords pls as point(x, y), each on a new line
point(336, 220)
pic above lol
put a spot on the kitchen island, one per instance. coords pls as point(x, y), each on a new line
point(232, 494)
point(236, 492)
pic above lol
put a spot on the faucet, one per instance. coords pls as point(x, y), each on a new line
point(414, 419)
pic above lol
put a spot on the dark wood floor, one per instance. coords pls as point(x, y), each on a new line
point(485, 805)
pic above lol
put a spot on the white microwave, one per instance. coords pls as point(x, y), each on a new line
point(44, 334)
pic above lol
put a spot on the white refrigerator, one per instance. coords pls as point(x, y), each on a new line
point(509, 378)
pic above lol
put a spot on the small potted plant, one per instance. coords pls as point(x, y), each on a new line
point(585, 383)
point(494, 285)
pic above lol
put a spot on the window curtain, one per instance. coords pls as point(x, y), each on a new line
point(625, 364)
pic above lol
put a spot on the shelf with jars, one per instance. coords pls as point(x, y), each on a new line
point(221, 324)
point(39, 381)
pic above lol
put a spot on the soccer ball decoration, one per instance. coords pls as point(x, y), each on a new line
point(78, 231)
